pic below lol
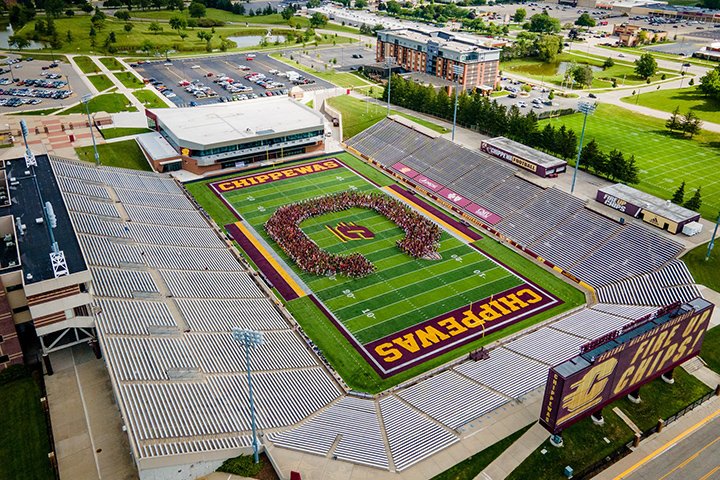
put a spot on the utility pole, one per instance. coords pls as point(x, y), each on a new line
point(86, 99)
point(250, 339)
point(712, 239)
point(586, 108)
point(457, 71)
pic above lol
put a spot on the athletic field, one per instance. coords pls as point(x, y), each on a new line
point(409, 311)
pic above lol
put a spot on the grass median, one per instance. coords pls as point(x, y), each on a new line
point(686, 99)
point(101, 82)
point(124, 154)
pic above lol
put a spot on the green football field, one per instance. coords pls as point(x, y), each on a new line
point(402, 290)
point(401, 293)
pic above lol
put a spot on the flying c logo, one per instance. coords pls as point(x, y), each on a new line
point(586, 393)
point(351, 231)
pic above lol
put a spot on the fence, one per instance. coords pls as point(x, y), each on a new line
point(39, 377)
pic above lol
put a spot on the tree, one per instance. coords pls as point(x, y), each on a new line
point(629, 171)
point(585, 20)
point(196, 10)
point(646, 66)
point(694, 202)
point(54, 8)
point(679, 195)
point(544, 23)
point(176, 4)
point(123, 15)
point(615, 164)
point(178, 22)
point(591, 157)
point(313, 3)
point(690, 124)
point(318, 20)
point(18, 42)
point(710, 83)
point(609, 63)
point(642, 37)
point(548, 47)
point(92, 35)
point(287, 13)
point(155, 27)
point(673, 122)
point(583, 75)
point(361, 3)
point(128, 27)
point(519, 15)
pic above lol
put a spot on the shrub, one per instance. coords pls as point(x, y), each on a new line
point(242, 465)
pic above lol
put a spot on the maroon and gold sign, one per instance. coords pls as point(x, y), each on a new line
point(267, 177)
point(577, 388)
point(346, 231)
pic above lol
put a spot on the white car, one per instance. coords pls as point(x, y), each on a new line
point(521, 104)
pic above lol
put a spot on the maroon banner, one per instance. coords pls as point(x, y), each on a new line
point(429, 184)
point(416, 344)
point(457, 199)
point(405, 170)
point(483, 214)
point(584, 384)
point(274, 175)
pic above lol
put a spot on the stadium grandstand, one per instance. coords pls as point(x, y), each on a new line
point(168, 287)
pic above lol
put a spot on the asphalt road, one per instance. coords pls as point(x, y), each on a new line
point(696, 457)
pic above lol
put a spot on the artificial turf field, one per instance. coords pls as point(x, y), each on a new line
point(402, 293)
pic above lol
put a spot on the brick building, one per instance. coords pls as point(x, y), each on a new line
point(436, 52)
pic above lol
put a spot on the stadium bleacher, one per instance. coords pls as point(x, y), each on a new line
point(168, 291)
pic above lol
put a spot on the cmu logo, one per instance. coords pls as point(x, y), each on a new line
point(350, 231)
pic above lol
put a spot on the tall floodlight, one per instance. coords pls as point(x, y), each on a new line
point(389, 61)
point(251, 339)
point(586, 108)
point(86, 99)
point(712, 239)
point(457, 71)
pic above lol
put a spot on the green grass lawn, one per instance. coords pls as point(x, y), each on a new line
point(548, 72)
point(107, 102)
point(660, 55)
point(149, 98)
point(101, 82)
point(402, 292)
point(469, 468)
point(341, 79)
point(705, 273)
point(706, 108)
point(661, 400)
point(711, 349)
point(46, 111)
point(86, 64)
point(125, 154)
point(23, 432)
point(109, 133)
point(111, 63)
point(664, 159)
point(129, 80)
point(358, 115)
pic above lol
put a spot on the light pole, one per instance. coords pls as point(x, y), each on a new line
point(683, 72)
point(250, 339)
point(457, 71)
point(86, 99)
point(586, 108)
point(389, 61)
point(712, 239)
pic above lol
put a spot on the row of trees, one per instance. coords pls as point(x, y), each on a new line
point(692, 203)
point(480, 113)
point(687, 124)
point(710, 83)
point(544, 46)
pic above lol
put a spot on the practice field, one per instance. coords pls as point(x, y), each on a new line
point(664, 159)
point(410, 314)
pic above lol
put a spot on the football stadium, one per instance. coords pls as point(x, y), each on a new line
point(411, 293)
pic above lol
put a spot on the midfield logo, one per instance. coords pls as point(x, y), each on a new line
point(350, 231)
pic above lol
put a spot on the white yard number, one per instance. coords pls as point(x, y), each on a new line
point(332, 277)
point(349, 293)
point(250, 198)
point(339, 178)
point(353, 187)
point(368, 313)
point(457, 258)
point(261, 208)
point(479, 273)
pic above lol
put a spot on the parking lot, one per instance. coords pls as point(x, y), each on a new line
point(536, 99)
point(344, 58)
point(202, 84)
point(34, 85)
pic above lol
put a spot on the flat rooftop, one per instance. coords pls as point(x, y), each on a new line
point(449, 40)
point(224, 123)
point(656, 205)
point(156, 146)
point(27, 205)
point(525, 152)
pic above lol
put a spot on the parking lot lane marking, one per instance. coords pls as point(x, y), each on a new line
point(170, 70)
point(710, 473)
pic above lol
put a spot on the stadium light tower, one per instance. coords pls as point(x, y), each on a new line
point(586, 108)
point(712, 239)
point(457, 71)
point(250, 339)
point(389, 61)
point(86, 99)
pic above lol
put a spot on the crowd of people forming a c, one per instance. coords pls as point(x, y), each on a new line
point(421, 240)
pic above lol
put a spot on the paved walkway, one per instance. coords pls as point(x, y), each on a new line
point(87, 427)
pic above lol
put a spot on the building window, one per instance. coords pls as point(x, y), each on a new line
point(12, 288)
point(4, 358)
point(21, 309)
point(1, 338)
